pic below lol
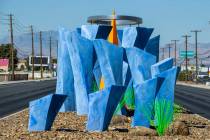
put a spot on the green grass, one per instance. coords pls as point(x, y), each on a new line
point(163, 115)
point(128, 100)
point(178, 108)
point(94, 87)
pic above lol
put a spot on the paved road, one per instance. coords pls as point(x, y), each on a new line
point(16, 96)
point(197, 100)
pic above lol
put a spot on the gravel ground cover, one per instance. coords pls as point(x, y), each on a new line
point(70, 126)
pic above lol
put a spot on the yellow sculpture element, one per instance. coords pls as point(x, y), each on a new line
point(102, 84)
point(112, 39)
point(113, 34)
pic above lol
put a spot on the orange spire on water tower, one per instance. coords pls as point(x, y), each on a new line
point(113, 34)
point(112, 39)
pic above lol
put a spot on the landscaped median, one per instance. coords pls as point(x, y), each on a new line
point(70, 126)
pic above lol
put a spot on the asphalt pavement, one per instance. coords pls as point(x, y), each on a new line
point(195, 99)
point(15, 97)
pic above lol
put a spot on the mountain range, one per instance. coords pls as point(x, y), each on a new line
point(23, 44)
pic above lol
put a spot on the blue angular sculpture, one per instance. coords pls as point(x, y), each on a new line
point(120, 35)
point(161, 66)
point(126, 69)
point(136, 37)
point(102, 105)
point(167, 88)
point(65, 77)
point(166, 92)
point(140, 63)
point(78, 30)
point(97, 73)
point(43, 111)
point(81, 56)
point(144, 102)
point(152, 47)
point(95, 31)
point(110, 58)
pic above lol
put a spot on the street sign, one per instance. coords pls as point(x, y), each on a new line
point(190, 54)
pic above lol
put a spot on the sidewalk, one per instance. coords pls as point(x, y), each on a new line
point(24, 81)
point(192, 84)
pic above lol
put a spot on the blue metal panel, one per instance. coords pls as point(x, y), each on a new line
point(103, 32)
point(142, 37)
point(102, 105)
point(140, 63)
point(166, 91)
point(43, 111)
point(152, 47)
point(65, 80)
point(144, 102)
point(95, 31)
point(89, 31)
point(136, 37)
point(78, 30)
point(161, 66)
point(110, 58)
point(81, 56)
point(120, 35)
point(129, 37)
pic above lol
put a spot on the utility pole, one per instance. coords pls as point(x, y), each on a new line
point(163, 52)
point(32, 50)
point(196, 53)
point(50, 54)
point(169, 50)
point(57, 58)
point(186, 59)
point(57, 49)
point(12, 45)
point(175, 43)
point(40, 39)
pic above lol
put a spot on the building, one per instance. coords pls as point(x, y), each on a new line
point(21, 65)
point(4, 65)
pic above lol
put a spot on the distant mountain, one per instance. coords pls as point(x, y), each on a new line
point(203, 52)
point(23, 44)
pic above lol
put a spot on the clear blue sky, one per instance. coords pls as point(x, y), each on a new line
point(170, 18)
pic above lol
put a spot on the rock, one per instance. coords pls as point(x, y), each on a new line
point(208, 127)
point(178, 128)
point(118, 119)
point(142, 131)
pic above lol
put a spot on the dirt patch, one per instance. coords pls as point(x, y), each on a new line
point(70, 126)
